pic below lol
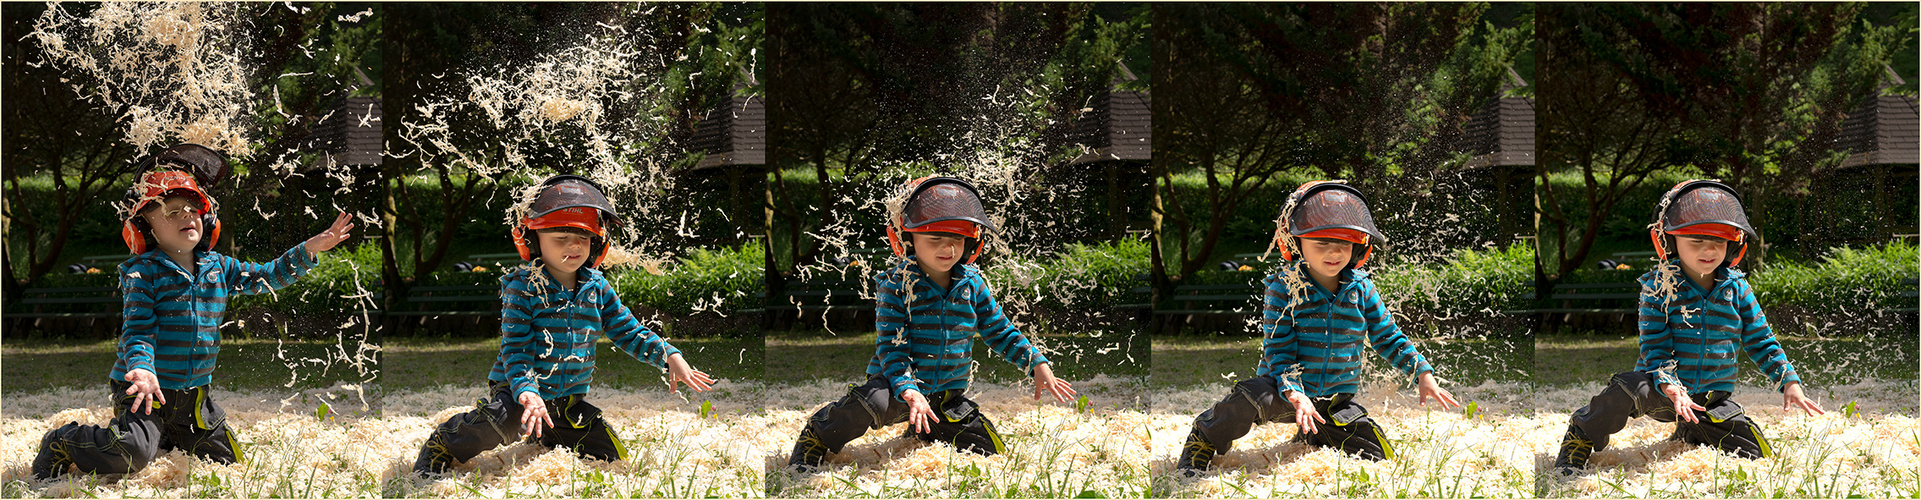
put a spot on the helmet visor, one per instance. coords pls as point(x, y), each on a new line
point(1705, 203)
point(1332, 206)
point(572, 192)
point(944, 200)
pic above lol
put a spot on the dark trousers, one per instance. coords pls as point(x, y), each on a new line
point(189, 420)
point(1635, 394)
point(1258, 400)
point(496, 420)
point(872, 406)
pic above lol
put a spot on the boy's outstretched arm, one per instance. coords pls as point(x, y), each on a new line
point(637, 340)
point(1757, 338)
point(248, 278)
point(1007, 341)
point(1390, 343)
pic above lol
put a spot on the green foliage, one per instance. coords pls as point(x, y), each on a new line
point(1846, 280)
point(1473, 282)
point(1083, 276)
point(723, 280)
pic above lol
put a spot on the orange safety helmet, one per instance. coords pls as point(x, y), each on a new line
point(1702, 208)
point(1327, 209)
point(204, 167)
point(567, 201)
point(941, 205)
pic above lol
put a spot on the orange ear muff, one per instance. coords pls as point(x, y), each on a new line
point(600, 248)
point(213, 236)
point(136, 241)
point(520, 243)
point(1281, 241)
point(1660, 251)
point(893, 241)
point(1364, 255)
point(1739, 255)
point(974, 247)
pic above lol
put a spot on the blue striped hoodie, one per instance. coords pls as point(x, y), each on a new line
point(547, 333)
point(1690, 338)
point(171, 318)
point(1314, 344)
point(926, 334)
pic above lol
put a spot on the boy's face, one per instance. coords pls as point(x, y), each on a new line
point(1326, 257)
point(1700, 255)
point(175, 222)
point(938, 252)
point(564, 249)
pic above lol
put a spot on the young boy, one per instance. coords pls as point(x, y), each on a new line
point(175, 292)
point(551, 315)
point(1318, 310)
point(1689, 329)
point(927, 313)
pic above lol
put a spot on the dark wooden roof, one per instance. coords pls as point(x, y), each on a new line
point(1882, 130)
point(1120, 127)
point(350, 135)
point(734, 133)
point(1502, 133)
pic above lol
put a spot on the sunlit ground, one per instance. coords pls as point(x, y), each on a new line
point(1054, 450)
point(1870, 450)
point(1439, 453)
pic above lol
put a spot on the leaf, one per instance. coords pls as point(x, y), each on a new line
point(1090, 494)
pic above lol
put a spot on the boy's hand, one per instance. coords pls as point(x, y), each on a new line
point(920, 416)
point(1792, 398)
point(1428, 389)
point(1304, 413)
point(1045, 383)
point(678, 371)
point(1683, 405)
point(332, 236)
point(533, 414)
point(147, 387)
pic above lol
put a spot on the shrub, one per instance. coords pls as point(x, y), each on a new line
point(722, 280)
point(1082, 276)
point(1846, 280)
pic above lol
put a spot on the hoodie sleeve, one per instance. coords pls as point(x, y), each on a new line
point(1657, 343)
point(1000, 334)
point(892, 344)
point(138, 326)
point(1386, 337)
point(1278, 346)
point(1758, 339)
point(628, 334)
point(247, 278)
point(518, 347)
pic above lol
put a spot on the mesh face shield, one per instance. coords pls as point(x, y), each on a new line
point(571, 191)
point(1330, 205)
point(1705, 202)
point(944, 199)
